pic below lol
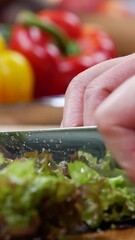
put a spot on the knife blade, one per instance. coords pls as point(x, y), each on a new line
point(61, 142)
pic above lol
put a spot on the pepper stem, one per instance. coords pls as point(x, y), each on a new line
point(68, 46)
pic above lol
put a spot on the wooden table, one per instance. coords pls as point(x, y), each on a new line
point(20, 127)
point(30, 114)
point(126, 234)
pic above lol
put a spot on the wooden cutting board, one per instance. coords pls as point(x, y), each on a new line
point(124, 234)
point(30, 114)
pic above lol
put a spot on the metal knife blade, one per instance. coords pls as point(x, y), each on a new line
point(61, 142)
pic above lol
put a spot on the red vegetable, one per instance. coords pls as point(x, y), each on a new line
point(59, 47)
point(69, 22)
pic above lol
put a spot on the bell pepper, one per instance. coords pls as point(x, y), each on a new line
point(16, 76)
point(59, 47)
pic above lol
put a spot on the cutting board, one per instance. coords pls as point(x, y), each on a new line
point(123, 234)
point(30, 114)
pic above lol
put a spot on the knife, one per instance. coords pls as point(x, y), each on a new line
point(61, 142)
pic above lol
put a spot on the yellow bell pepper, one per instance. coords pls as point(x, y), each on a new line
point(16, 76)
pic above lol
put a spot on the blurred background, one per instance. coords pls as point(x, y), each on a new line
point(9, 9)
point(34, 79)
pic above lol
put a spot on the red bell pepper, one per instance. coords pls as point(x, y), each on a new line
point(69, 22)
point(59, 47)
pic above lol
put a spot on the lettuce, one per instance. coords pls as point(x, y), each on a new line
point(40, 198)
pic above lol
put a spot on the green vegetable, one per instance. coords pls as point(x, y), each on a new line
point(40, 198)
point(5, 31)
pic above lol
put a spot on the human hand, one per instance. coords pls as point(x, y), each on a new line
point(105, 96)
point(90, 88)
point(115, 119)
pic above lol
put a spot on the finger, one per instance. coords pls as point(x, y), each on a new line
point(73, 110)
point(115, 118)
point(98, 89)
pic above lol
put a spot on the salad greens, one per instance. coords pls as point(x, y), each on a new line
point(43, 199)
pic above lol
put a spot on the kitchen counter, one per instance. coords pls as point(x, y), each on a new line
point(30, 115)
point(25, 127)
point(123, 234)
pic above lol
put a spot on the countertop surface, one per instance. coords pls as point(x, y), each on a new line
point(9, 127)
point(34, 115)
point(123, 234)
